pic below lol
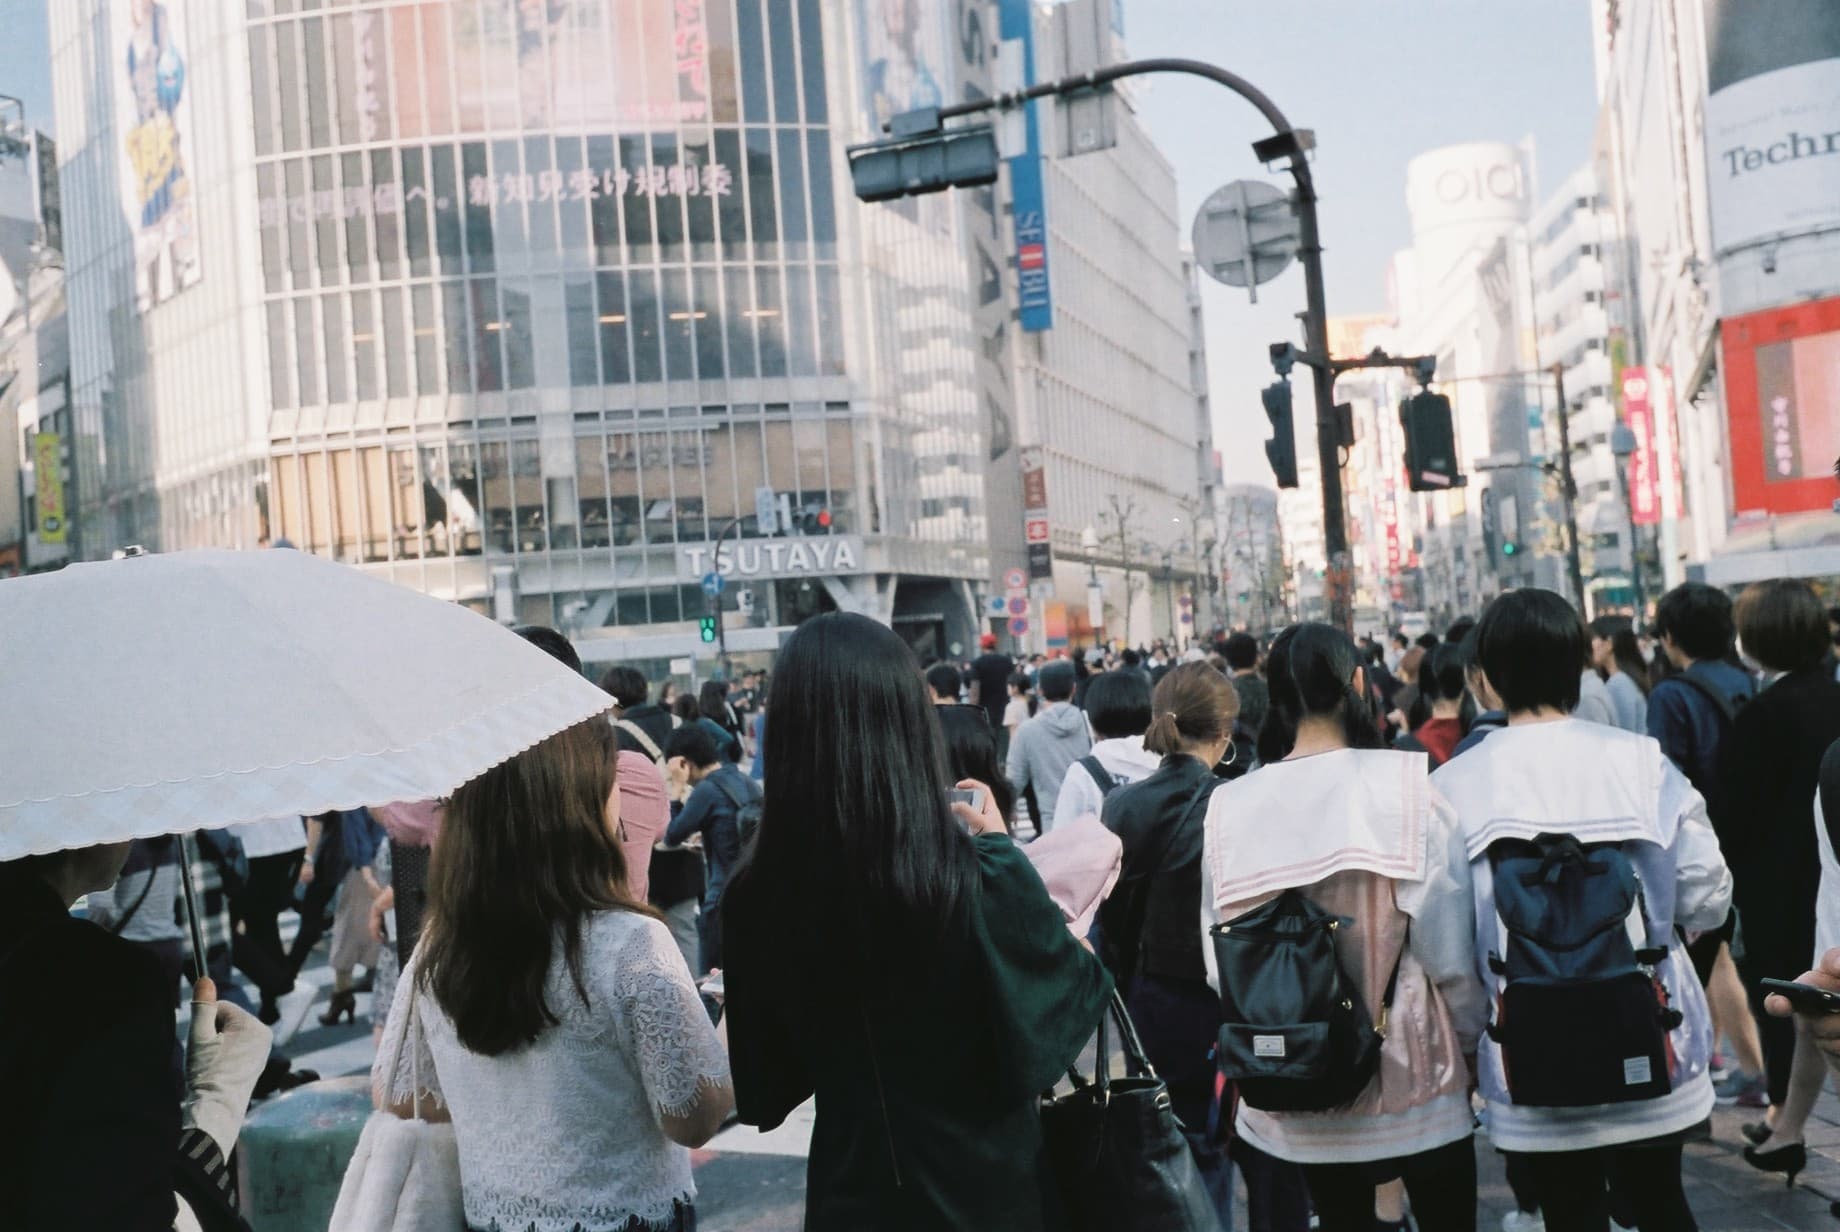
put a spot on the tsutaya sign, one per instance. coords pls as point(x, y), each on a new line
point(814, 556)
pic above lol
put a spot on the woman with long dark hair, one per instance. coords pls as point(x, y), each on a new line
point(549, 1010)
point(1357, 831)
point(1618, 659)
point(895, 954)
point(971, 753)
point(712, 704)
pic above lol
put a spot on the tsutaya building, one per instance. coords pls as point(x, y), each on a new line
point(750, 559)
point(422, 286)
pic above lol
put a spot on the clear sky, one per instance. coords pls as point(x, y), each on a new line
point(1379, 81)
point(25, 58)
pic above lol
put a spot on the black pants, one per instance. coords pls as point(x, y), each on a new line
point(1440, 1183)
point(1773, 956)
point(328, 872)
point(1277, 1199)
point(259, 952)
point(1574, 1187)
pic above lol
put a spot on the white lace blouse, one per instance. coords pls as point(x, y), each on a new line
point(566, 1132)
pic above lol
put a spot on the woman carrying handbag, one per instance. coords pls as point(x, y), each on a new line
point(558, 1026)
point(895, 954)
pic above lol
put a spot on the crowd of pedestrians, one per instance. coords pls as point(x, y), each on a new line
point(1365, 900)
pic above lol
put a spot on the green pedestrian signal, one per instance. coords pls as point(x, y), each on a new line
point(708, 626)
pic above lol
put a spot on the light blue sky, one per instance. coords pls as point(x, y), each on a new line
point(1379, 81)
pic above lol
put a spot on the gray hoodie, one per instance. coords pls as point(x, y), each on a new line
point(1043, 749)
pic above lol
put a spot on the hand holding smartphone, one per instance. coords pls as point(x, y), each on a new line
point(1806, 998)
point(972, 804)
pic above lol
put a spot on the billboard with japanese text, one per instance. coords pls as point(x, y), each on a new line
point(1782, 400)
point(153, 119)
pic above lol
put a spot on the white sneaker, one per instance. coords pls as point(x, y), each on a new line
point(1523, 1221)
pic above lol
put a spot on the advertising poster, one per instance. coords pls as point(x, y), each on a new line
point(900, 60)
point(1644, 479)
point(1782, 397)
point(48, 474)
point(590, 64)
point(1772, 119)
point(154, 126)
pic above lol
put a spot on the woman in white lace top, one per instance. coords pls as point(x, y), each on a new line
point(553, 1016)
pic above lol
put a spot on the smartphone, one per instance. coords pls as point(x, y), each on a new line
point(969, 797)
point(1805, 997)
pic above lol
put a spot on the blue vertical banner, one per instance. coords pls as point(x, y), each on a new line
point(1029, 210)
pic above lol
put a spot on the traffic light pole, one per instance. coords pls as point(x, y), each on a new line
point(1287, 142)
point(1568, 490)
point(715, 600)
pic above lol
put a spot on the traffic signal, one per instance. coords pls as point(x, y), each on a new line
point(924, 162)
point(815, 520)
point(707, 626)
point(1281, 449)
point(1509, 547)
point(1431, 444)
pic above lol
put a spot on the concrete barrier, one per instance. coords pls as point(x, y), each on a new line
point(293, 1151)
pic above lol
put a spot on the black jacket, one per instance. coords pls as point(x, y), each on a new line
point(1762, 807)
point(87, 1064)
point(1151, 921)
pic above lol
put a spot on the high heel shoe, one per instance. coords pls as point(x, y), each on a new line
point(1756, 1132)
point(344, 1004)
point(1790, 1159)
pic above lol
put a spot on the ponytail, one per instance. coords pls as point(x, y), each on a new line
point(1193, 705)
point(1165, 735)
point(1312, 670)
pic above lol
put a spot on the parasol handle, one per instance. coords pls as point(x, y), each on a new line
point(192, 914)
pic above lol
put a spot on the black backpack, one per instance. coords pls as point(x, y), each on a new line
point(1294, 1034)
point(1582, 1018)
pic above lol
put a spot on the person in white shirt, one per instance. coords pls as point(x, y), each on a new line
point(1571, 792)
point(1118, 713)
point(1359, 831)
point(558, 1026)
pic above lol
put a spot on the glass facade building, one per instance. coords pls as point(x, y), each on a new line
point(463, 291)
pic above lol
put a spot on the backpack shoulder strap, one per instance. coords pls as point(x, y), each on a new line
point(1724, 704)
point(1101, 777)
point(740, 800)
point(645, 742)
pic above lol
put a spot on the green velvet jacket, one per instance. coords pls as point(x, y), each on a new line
point(927, 1073)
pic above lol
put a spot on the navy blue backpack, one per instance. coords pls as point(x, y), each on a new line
point(1581, 1017)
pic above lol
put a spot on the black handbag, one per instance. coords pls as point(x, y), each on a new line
point(1118, 1154)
